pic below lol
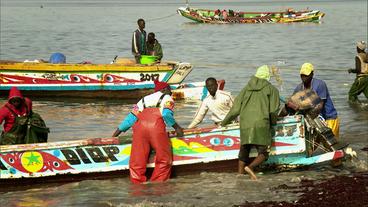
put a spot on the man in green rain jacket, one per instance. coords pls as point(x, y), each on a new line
point(257, 104)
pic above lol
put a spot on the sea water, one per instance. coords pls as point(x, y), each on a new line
point(96, 31)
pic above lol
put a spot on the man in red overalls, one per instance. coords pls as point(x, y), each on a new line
point(14, 114)
point(149, 119)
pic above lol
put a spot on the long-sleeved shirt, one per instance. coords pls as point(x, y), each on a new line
point(166, 108)
point(219, 105)
point(139, 42)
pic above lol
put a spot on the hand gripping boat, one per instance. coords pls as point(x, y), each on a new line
point(202, 149)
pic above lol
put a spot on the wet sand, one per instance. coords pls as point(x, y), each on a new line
point(351, 190)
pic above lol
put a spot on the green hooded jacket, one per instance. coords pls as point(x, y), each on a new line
point(257, 104)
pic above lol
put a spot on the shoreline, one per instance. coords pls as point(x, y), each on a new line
point(342, 190)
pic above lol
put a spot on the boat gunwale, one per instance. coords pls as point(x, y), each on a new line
point(46, 67)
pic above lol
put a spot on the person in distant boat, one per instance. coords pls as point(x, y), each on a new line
point(149, 118)
point(257, 104)
point(224, 14)
point(154, 47)
point(218, 102)
point(360, 84)
point(328, 111)
point(21, 124)
point(139, 41)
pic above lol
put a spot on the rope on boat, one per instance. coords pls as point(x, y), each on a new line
point(159, 18)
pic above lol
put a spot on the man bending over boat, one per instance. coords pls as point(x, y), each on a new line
point(218, 102)
point(139, 41)
point(257, 104)
point(21, 124)
point(154, 47)
point(360, 84)
point(149, 119)
point(328, 111)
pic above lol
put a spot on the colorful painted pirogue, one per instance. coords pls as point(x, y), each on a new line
point(200, 149)
point(89, 80)
point(218, 17)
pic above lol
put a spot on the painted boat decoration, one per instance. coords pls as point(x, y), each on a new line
point(89, 80)
point(217, 17)
point(209, 149)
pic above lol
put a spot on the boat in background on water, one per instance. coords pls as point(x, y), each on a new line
point(230, 16)
point(202, 149)
point(111, 81)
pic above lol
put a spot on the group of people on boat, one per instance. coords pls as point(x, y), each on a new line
point(143, 44)
point(256, 108)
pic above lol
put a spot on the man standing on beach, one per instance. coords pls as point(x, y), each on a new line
point(257, 104)
point(139, 41)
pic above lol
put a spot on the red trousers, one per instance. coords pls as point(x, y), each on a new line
point(150, 131)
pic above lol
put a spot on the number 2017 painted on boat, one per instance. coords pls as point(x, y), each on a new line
point(149, 77)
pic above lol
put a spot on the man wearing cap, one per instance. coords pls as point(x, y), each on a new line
point(149, 119)
point(328, 111)
point(257, 104)
point(218, 102)
point(14, 114)
point(360, 84)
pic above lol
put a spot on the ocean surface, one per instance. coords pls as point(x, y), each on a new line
point(96, 31)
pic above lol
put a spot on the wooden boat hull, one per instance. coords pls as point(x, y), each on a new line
point(207, 16)
point(88, 80)
point(209, 149)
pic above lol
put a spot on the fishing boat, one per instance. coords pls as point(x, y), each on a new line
point(230, 16)
point(202, 149)
point(112, 81)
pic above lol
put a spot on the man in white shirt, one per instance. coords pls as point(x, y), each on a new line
point(218, 102)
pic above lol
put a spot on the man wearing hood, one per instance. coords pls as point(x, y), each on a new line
point(14, 114)
point(257, 104)
point(149, 119)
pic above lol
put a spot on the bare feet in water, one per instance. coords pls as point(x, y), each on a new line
point(250, 173)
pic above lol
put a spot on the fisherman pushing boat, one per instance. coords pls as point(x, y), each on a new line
point(149, 119)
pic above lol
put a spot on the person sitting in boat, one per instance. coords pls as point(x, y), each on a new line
point(139, 41)
point(360, 84)
point(154, 47)
point(149, 119)
point(21, 124)
point(328, 111)
point(258, 105)
point(223, 14)
point(218, 102)
point(217, 14)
